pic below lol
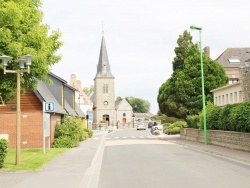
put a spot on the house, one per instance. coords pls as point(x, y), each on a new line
point(236, 64)
point(33, 118)
point(84, 102)
point(232, 59)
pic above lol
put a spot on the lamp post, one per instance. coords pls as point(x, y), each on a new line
point(202, 83)
point(133, 117)
point(19, 72)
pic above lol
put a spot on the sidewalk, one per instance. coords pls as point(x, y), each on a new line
point(66, 171)
point(238, 155)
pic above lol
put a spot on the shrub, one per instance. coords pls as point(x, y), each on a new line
point(3, 151)
point(180, 124)
point(172, 130)
point(89, 131)
point(175, 130)
point(224, 117)
point(72, 129)
point(192, 121)
point(213, 117)
point(239, 117)
point(65, 142)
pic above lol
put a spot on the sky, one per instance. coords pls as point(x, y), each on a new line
point(140, 37)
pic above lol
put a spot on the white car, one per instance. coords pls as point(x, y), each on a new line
point(157, 127)
point(141, 126)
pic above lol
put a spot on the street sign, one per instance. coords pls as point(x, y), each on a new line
point(48, 107)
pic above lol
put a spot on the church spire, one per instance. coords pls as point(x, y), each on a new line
point(103, 67)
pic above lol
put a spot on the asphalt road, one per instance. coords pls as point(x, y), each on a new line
point(136, 159)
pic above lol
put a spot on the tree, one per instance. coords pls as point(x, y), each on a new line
point(119, 98)
point(138, 105)
point(87, 90)
point(22, 32)
point(181, 95)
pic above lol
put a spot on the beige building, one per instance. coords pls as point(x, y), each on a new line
point(236, 64)
point(229, 94)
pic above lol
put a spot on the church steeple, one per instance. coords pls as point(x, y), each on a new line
point(103, 67)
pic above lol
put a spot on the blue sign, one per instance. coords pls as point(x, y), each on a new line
point(48, 106)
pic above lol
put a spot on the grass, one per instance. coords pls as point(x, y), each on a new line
point(30, 159)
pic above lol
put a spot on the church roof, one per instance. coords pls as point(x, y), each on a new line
point(103, 67)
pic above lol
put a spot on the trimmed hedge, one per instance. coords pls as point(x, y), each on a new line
point(3, 151)
point(233, 117)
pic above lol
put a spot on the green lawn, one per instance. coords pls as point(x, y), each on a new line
point(30, 159)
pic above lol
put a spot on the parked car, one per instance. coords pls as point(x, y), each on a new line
point(157, 127)
point(141, 126)
point(151, 123)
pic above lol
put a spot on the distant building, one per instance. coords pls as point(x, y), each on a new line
point(83, 101)
point(106, 110)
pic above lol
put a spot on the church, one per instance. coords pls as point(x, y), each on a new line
point(106, 109)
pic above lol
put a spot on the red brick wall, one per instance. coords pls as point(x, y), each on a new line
point(31, 128)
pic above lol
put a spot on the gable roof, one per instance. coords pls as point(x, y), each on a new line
point(234, 57)
point(103, 67)
point(123, 104)
point(43, 92)
point(44, 95)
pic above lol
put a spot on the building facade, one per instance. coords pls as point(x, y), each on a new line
point(104, 90)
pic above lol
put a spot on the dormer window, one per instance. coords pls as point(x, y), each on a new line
point(234, 59)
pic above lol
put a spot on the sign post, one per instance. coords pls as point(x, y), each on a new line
point(48, 107)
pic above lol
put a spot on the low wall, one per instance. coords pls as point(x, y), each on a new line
point(228, 139)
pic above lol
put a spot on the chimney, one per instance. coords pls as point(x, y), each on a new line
point(207, 51)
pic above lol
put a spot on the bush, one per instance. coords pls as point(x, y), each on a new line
point(3, 151)
point(65, 142)
point(175, 130)
point(172, 130)
point(213, 117)
point(72, 129)
point(239, 117)
point(89, 131)
point(192, 121)
point(180, 124)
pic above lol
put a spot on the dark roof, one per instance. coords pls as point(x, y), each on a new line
point(103, 67)
point(234, 54)
point(57, 77)
point(44, 95)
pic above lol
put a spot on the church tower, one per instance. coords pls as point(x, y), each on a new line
point(104, 99)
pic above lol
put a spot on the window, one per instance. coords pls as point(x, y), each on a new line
point(124, 114)
point(105, 88)
point(234, 59)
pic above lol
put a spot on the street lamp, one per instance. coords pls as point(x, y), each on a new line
point(202, 83)
point(133, 117)
point(24, 59)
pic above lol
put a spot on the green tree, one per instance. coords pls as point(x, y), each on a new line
point(22, 32)
point(181, 95)
point(119, 98)
point(139, 105)
point(87, 90)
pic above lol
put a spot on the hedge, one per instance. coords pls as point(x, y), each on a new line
point(3, 151)
point(232, 117)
